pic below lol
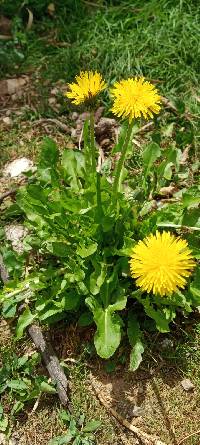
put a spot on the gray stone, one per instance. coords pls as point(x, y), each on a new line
point(187, 385)
point(17, 167)
point(137, 411)
point(15, 233)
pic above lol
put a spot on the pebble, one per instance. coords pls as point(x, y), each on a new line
point(7, 121)
point(137, 411)
point(17, 167)
point(15, 233)
point(187, 385)
point(167, 343)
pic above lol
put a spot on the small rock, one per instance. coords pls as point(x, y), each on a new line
point(7, 121)
point(137, 411)
point(52, 100)
point(11, 86)
point(17, 167)
point(187, 385)
point(74, 116)
point(15, 233)
point(14, 97)
point(168, 191)
point(54, 91)
point(167, 343)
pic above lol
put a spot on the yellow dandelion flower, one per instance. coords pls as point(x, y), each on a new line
point(161, 263)
point(134, 98)
point(87, 86)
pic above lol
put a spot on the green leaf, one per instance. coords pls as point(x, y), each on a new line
point(91, 426)
point(22, 361)
point(49, 312)
point(1, 411)
point(127, 248)
point(191, 218)
point(61, 440)
point(9, 309)
point(24, 320)
point(136, 355)
point(134, 335)
point(162, 316)
point(195, 288)
point(74, 167)
point(17, 407)
point(60, 249)
point(168, 171)
point(85, 251)
point(97, 277)
point(46, 387)
point(17, 385)
point(168, 129)
point(77, 440)
point(3, 423)
point(108, 334)
point(86, 319)
point(151, 153)
point(49, 153)
point(118, 147)
point(191, 198)
point(65, 416)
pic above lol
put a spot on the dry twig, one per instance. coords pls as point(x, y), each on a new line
point(189, 435)
point(59, 124)
point(51, 361)
point(48, 355)
point(146, 438)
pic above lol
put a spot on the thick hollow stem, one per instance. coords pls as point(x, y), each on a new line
point(118, 170)
point(92, 141)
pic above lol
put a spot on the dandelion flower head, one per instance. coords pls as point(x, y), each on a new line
point(134, 98)
point(161, 263)
point(87, 86)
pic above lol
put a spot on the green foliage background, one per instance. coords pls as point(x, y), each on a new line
point(156, 39)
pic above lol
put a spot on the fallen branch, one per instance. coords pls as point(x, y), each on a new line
point(51, 361)
point(146, 438)
point(48, 355)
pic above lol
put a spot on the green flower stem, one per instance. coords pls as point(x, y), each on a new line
point(92, 141)
point(97, 174)
point(118, 169)
point(99, 203)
